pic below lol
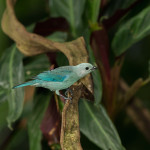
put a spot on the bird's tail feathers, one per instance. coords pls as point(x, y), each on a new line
point(23, 84)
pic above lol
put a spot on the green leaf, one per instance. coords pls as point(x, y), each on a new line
point(4, 40)
point(93, 8)
point(36, 65)
point(3, 96)
point(131, 32)
point(61, 59)
point(96, 74)
point(40, 104)
point(71, 10)
point(96, 125)
point(96, 79)
point(115, 5)
point(97, 86)
point(12, 73)
point(58, 36)
point(18, 138)
point(90, 16)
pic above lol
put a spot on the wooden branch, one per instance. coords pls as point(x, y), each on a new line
point(70, 133)
point(139, 114)
point(130, 91)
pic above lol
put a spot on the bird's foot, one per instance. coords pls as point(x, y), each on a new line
point(66, 98)
point(69, 91)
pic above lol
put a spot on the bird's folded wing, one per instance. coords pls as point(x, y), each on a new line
point(53, 76)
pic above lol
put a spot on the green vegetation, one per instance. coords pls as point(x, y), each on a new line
point(116, 116)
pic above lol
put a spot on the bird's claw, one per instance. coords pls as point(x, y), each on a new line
point(67, 91)
point(66, 94)
point(68, 99)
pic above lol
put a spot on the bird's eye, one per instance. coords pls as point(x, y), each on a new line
point(87, 68)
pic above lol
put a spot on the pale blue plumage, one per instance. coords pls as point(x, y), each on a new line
point(60, 78)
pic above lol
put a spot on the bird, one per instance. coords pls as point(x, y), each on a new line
point(60, 78)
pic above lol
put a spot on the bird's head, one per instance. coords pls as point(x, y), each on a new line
point(84, 69)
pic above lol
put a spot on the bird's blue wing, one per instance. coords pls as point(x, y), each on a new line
point(53, 76)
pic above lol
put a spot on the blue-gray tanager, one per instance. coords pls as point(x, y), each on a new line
point(60, 78)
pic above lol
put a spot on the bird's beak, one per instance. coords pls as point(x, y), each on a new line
point(94, 67)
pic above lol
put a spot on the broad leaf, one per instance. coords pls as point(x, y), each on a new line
point(96, 79)
point(132, 31)
point(36, 65)
point(96, 125)
point(92, 10)
point(4, 40)
point(12, 73)
point(96, 74)
point(58, 36)
point(97, 86)
point(91, 14)
point(17, 140)
point(3, 96)
point(116, 5)
point(61, 59)
point(39, 108)
point(72, 10)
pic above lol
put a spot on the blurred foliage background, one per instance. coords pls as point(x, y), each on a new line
point(114, 30)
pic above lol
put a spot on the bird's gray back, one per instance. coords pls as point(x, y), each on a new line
point(59, 78)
